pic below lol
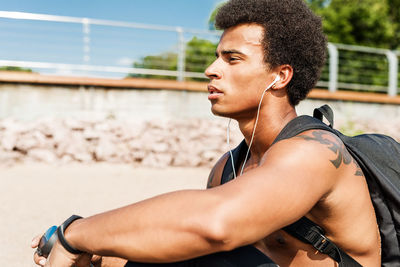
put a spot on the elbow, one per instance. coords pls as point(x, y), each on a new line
point(220, 232)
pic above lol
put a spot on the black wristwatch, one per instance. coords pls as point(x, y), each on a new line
point(61, 237)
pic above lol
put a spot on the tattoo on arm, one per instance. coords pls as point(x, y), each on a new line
point(342, 155)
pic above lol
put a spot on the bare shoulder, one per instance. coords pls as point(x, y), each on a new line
point(214, 179)
point(315, 161)
point(320, 147)
point(345, 210)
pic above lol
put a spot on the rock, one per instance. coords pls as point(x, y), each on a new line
point(74, 125)
point(105, 150)
point(10, 157)
point(13, 126)
point(91, 134)
point(210, 156)
point(24, 144)
point(66, 159)
point(138, 155)
point(159, 160)
point(135, 144)
point(159, 147)
point(8, 141)
point(83, 157)
point(186, 159)
point(42, 155)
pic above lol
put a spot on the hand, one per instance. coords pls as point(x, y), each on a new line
point(39, 260)
point(99, 261)
point(59, 257)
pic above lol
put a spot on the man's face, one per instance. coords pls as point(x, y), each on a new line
point(239, 75)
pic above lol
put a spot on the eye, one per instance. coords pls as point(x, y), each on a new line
point(232, 59)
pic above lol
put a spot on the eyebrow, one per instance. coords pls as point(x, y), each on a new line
point(227, 52)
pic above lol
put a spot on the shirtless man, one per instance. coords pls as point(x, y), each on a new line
point(274, 44)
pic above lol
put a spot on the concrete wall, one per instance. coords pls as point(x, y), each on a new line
point(157, 128)
point(28, 102)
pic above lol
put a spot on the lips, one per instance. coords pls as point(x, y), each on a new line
point(214, 92)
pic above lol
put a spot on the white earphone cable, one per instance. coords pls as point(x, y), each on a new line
point(252, 136)
point(254, 131)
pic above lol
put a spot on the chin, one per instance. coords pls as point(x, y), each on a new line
point(220, 113)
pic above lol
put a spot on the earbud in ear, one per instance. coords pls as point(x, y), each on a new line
point(277, 78)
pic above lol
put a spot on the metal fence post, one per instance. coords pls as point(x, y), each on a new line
point(393, 69)
point(86, 40)
point(181, 54)
point(333, 67)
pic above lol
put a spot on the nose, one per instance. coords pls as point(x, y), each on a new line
point(213, 72)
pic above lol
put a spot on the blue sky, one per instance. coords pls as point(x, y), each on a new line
point(37, 41)
point(186, 13)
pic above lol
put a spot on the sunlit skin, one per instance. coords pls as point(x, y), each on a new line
point(301, 176)
point(238, 78)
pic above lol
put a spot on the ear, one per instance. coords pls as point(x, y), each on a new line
point(285, 73)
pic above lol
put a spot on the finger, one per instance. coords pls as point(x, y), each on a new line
point(39, 260)
point(96, 258)
point(35, 241)
point(84, 260)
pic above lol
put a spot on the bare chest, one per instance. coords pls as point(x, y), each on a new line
point(286, 250)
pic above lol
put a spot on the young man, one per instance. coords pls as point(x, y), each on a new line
point(267, 44)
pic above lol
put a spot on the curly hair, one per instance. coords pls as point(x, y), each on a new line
point(292, 35)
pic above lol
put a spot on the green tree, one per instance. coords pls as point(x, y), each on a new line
point(164, 61)
point(211, 20)
point(199, 54)
point(13, 68)
point(373, 23)
point(358, 22)
point(394, 18)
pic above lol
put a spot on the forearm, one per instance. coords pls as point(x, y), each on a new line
point(169, 227)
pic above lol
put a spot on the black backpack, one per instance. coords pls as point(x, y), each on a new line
point(379, 157)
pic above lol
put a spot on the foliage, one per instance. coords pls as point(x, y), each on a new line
point(373, 23)
point(359, 22)
point(164, 61)
point(199, 54)
point(13, 68)
point(211, 20)
point(352, 128)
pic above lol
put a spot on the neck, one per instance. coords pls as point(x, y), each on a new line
point(272, 119)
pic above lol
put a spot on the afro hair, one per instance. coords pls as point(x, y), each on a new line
point(292, 35)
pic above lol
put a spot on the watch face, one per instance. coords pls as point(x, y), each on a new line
point(49, 233)
point(47, 241)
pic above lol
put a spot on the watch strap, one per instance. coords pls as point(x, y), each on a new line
point(61, 237)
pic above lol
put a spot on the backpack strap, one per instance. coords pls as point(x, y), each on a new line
point(301, 124)
point(238, 156)
point(309, 232)
point(324, 111)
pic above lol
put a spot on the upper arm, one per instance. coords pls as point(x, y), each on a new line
point(214, 179)
point(293, 176)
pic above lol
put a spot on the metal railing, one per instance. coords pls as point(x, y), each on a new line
point(373, 69)
point(92, 47)
point(83, 46)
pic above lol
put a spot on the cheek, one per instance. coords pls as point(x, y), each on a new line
point(251, 85)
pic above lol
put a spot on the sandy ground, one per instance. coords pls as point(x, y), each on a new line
point(34, 197)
